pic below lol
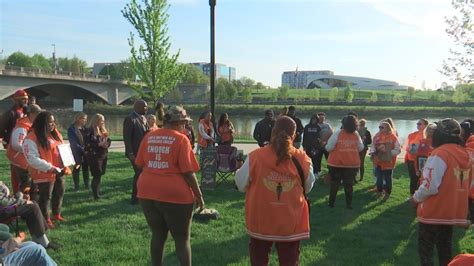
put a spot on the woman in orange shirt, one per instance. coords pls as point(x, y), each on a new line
point(167, 187)
point(275, 207)
point(384, 150)
point(225, 128)
point(344, 161)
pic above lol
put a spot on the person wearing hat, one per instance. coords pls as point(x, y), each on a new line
point(167, 187)
point(15, 149)
point(14, 252)
point(263, 129)
point(442, 198)
point(8, 119)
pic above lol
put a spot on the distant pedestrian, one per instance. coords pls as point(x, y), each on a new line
point(206, 131)
point(76, 136)
point(442, 197)
point(275, 179)
point(344, 161)
point(366, 137)
point(31, 100)
point(263, 129)
point(97, 143)
point(299, 126)
point(189, 132)
point(226, 130)
point(151, 119)
point(135, 127)
point(311, 139)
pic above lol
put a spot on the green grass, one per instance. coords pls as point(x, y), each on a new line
point(112, 232)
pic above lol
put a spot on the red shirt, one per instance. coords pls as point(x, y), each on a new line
point(165, 155)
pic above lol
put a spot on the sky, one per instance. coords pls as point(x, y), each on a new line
point(398, 40)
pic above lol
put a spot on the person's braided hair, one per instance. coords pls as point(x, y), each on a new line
point(282, 138)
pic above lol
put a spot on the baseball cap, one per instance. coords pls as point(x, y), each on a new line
point(176, 113)
point(20, 94)
point(449, 126)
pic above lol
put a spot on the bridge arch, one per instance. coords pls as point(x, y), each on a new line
point(62, 92)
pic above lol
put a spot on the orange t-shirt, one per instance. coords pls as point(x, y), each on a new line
point(165, 155)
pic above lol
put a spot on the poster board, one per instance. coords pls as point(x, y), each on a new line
point(384, 152)
point(208, 161)
point(66, 154)
point(78, 105)
point(421, 163)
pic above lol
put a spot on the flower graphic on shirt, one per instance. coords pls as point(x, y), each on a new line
point(278, 183)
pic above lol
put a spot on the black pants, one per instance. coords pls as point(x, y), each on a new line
point(347, 176)
point(35, 221)
point(51, 193)
point(319, 158)
point(312, 152)
point(23, 177)
point(135, 180)
point(413, 177)
point(362, 156)
point(164, 217)
point(85, 175)
point(430, 235)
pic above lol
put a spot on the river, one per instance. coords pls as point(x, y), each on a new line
point(245, 124)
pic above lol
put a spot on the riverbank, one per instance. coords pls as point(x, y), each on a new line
point(398, 112)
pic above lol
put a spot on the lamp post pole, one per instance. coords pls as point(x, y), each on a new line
point(212, 4)
point(54, 57)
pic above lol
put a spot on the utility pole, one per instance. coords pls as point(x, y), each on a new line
point(212, 4)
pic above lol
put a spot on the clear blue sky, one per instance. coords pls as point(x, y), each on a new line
point(403, 41)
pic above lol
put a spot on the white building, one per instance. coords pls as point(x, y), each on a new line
point(326, 79)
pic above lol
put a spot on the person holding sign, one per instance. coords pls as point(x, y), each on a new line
point(45, 165)
point(384, 150)
point(275, 179)
point(167, 187)
point(97, 143)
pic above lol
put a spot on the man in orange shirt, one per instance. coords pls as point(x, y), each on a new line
point(442, 198)
point(167, 187)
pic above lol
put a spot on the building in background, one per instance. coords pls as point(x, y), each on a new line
point(326, 79)
point(222, 71)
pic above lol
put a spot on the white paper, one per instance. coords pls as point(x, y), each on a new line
point(66, 154)
point(78, 105)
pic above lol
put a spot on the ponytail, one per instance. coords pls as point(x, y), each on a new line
point(281, 140)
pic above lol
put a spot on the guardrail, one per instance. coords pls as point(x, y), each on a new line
point(8, 68)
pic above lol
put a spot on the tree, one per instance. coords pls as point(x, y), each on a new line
point(221, 86)
point(460, 28)
point(193, 75)
point(460, 95)
point(231, 91)
point(152, 62)
point(373, 98)
point(247, 82)
point(317, 94)
point(41, 62)
point(348, 94)
point(259, 86)
point(274, 97)
point(247, 95)
point(333, 94)
point(410, 92)
point(283, 92)
point(19, 59)
point(397, 98)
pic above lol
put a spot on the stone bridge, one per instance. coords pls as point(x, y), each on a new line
point(63, 86)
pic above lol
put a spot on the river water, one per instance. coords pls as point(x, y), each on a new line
point(245, 124)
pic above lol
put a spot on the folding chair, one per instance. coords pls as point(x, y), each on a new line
point(226, 163)
point(9, 216)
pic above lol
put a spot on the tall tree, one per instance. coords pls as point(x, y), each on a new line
point(152, 61)
point(460, 66)
point(19, 59)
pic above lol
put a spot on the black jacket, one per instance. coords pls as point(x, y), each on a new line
point(263, 131)
point(299, 128)
point(311, 137)
point(134, 129)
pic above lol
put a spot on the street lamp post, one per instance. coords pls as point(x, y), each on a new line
point(212, 4)
point(54, 57)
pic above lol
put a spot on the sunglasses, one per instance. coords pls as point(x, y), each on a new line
point(419, 124)
point(381, 127)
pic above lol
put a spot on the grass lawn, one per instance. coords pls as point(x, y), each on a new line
point(112, 232)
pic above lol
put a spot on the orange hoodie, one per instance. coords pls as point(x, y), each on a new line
point(19, 133)
point(443, 194)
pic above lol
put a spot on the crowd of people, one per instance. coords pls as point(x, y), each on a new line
point(276, 177)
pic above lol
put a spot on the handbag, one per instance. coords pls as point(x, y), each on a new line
point(301, 174)
point(206, 214)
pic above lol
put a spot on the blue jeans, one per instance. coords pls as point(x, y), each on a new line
point(384, 175)
point(29, 253)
